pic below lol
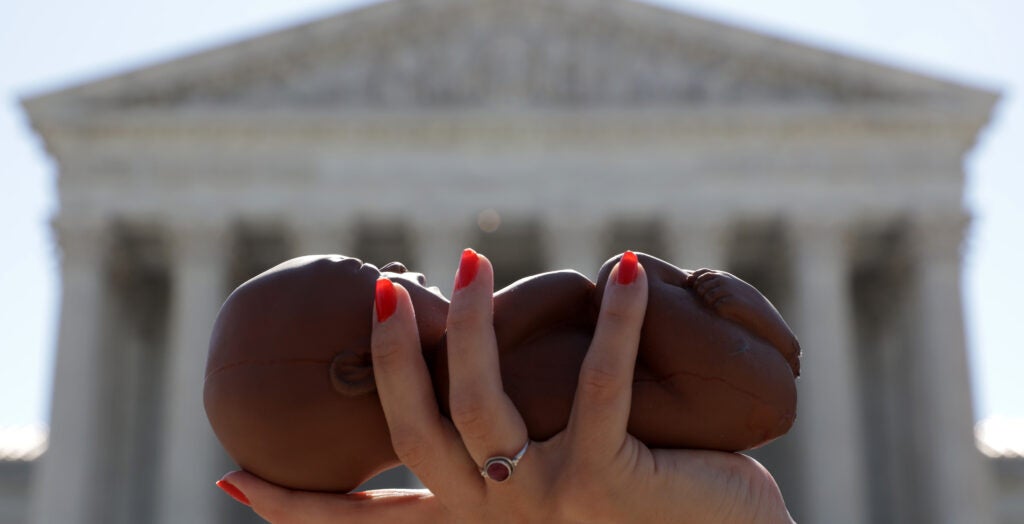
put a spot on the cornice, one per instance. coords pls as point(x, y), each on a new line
point(593, 127)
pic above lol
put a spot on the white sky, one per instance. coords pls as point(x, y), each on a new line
point(57, 43)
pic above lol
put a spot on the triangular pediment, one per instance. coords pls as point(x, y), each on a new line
point(430, 54)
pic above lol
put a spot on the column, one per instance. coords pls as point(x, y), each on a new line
point(574, 242)
point(64, 488)
point(438, 244)
point(190, 458)
point(696, 242)
point(957, 484)
point(828, 425)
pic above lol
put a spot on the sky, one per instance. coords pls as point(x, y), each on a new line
point(46, 45)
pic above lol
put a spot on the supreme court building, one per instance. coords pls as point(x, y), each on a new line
point(547, 134)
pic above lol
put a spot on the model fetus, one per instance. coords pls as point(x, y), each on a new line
point(290, 390)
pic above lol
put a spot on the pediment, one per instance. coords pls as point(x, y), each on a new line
point(430, 54)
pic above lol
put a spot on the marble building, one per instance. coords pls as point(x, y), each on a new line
point(547, 134)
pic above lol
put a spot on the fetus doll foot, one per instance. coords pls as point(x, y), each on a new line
point(729, 296)
point(736, 300)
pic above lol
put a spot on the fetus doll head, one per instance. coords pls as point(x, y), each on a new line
point(294, 342)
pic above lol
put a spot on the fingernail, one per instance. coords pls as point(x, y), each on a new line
point(235, 493)
point(467, 269)
point(628, 268)
point(386, 300)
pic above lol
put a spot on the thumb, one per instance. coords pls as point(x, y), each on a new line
point(280, 505)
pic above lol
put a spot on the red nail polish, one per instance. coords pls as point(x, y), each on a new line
point(467, 269)
point(386, 300)
point(235, 493)
point(628, 268)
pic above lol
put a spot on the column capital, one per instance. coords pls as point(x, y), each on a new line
point(702, 218)
point(574, 241)
point(701, 241)
point(572, 219)
point(322, 221)
point(185, 226)
point(322, 234)
point(814, 224)
point(445, 223)
point(205, 241)
point(437, 245)
point(818, 237)
point(710, 225)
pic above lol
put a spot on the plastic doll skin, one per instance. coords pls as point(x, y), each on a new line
point(290, 391)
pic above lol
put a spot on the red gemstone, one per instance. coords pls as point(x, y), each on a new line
point(498, 471)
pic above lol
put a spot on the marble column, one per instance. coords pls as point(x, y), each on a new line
point(574, 242)
point(64, 488)
point(957, 481)
point(190, 458)
point(696, 242)
point(828, 426)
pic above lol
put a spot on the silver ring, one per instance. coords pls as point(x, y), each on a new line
point(499, 469)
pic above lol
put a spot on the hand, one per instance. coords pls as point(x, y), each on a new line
point(593, 471)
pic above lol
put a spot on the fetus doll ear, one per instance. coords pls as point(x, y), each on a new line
point(352, 373)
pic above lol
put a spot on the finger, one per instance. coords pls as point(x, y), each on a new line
point(423, 440)
point(489, 423)
point(283, 506)
point(600, 411)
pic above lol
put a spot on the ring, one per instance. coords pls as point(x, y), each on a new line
point(499, 469)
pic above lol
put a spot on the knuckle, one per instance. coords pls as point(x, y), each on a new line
point(275, 514)
point(281, 508)
point(464, 317)
point(619, 314)
point(470, 415)
point(387, 352)
point(599, 382)
point(279, 515)
point(579, 501)
point(410, 448)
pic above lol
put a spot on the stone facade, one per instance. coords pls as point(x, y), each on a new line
point(549, 134)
